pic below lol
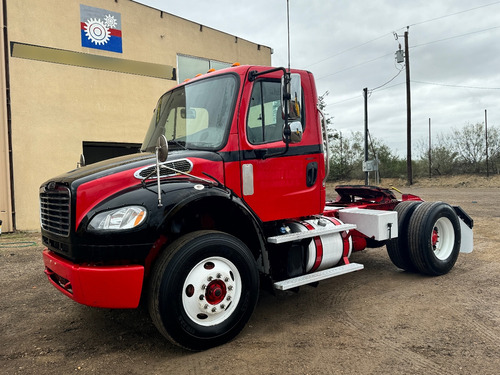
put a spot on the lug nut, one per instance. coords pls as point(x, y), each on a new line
point(205, 307)
point(219, 275)
point(209, 278)
point(228, 298)
point(202, 297)
point(203, 287)
point(230, 287)
point(214, 309)
point(222, 306)
point(226, 279)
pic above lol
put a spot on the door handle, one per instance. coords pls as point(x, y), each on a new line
point(311, 173)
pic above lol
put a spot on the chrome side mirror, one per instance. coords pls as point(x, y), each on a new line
point(291, 96)
point(295, 132)
point(162, 148)
point(81, 163)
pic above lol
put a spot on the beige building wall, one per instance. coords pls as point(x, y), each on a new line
point(55, 107)
point(5, 191)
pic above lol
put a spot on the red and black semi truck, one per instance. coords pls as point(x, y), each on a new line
point(228, 194)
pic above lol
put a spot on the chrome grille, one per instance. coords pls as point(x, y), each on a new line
point(181, 165)
point(55, 209)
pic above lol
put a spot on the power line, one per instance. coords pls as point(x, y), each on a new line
point(389, 81)
point(455, 36)
point(457, 86)
point(391, 86)
point(420, 82)
point(414, 24)
point(454, 14)
point(349, 49)
point(355, 66)
point(378, 89)
point(415, 46)
point(345, 100)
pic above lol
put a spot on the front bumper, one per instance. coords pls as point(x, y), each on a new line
point(92, 285)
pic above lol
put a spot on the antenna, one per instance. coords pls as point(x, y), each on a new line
point(288, 30)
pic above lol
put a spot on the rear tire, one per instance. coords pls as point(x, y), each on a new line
point(434, 238)
point(203, 289)
point(398, 248)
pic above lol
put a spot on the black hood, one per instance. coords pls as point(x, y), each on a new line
point(123, 163)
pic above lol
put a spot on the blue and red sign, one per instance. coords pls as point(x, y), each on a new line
point(101, 29)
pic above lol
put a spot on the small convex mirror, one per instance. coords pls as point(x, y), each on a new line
point(296, 132)
point(162, 148)
point(188, 113)
point(294, 88)
point(81, 163)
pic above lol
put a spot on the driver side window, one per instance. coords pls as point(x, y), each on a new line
point(264, 120)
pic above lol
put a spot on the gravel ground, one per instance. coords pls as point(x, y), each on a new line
point(376, 321)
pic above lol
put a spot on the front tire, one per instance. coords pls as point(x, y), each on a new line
point(203, 289)
point(434, 238)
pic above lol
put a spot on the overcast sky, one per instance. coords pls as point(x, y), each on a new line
point(349, 45)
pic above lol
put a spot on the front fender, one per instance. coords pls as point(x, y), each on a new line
point(187, 205)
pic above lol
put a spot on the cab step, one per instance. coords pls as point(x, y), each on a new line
point(289, 237)
point(317, 276)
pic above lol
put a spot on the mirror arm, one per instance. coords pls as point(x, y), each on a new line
point(158, 176)
point(287, 132)
point(161, 155)
point(252, 76)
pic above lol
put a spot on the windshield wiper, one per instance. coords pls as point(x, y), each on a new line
point(180, 144)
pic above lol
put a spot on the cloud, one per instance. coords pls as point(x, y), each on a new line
point(349, 45)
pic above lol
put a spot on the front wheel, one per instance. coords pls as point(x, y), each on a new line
point(434, 238)
point(203, 289)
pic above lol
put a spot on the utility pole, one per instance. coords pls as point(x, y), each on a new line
point(486, 130)
point(365, 95)
point(430, 150)
point(408, 111)
point(341, 154)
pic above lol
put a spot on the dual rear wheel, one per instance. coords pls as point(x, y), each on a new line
point(428, 240)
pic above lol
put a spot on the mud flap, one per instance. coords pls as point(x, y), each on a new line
point(466, 224)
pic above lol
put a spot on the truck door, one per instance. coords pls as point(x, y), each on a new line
point(276, 187)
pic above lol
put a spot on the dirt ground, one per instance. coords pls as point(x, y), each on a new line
point(376, 321)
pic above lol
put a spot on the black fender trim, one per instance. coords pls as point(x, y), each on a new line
point(464, 216)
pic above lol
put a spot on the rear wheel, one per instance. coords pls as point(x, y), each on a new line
point(398, 248)
point(434, 238)
point(203, 289)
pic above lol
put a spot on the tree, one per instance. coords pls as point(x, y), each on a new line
point(444, 159)
point(469, 142)
point(462, 151)
point(346, 155)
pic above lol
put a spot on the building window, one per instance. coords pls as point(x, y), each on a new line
point(98, 151)
point(189, 66)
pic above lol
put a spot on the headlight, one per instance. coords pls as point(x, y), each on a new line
point(121, 218)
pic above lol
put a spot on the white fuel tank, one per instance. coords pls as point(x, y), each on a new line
point(323, 251)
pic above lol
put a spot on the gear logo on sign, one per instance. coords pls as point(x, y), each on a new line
point(100, 29)
point(96, 31)
point(110, 21)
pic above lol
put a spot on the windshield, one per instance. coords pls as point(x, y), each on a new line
point(194, 116)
